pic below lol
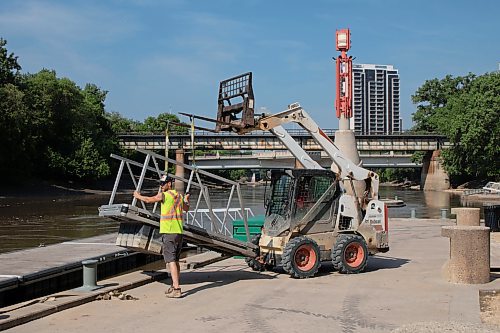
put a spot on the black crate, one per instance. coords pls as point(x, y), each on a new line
point(492, 217)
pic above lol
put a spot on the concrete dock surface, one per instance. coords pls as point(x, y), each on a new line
point(400, 291)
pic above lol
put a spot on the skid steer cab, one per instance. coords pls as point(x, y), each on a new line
point(310, 219)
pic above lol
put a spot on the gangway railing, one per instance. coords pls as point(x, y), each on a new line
point(205, 225)
point(473, 191)
point(202, 217)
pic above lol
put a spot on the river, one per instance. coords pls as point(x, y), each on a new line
point(34, 221)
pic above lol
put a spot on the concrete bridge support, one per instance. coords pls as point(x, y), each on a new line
point(434, 176)
point(179, 170)
point(346, 142)
point(298, 165)
point(469, 249)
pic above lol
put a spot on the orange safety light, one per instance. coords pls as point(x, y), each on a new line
point(343, 96)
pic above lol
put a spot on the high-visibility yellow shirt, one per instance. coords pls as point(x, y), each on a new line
point(171, 213)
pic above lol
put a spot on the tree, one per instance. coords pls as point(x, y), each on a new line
point(466, 110)
point(14, 124)
point(432, 97)
point(159, 124)
point(9, 67)
point(471, 122)
point(120, 124)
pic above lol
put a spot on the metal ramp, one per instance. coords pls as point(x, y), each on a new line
point(205, 226)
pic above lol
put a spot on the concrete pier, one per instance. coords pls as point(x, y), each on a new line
point(434, 176)
point(179, 170)
point(346, 142)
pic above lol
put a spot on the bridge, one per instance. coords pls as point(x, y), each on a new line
point(284, 159)
point(375, 150)
point(263, 140)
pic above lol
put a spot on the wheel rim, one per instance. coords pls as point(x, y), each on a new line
point(354, 254)
point(305, 257)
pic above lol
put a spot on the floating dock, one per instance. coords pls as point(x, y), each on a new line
point(37, 272)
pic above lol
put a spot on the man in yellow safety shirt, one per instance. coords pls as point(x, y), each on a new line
point(172, 205)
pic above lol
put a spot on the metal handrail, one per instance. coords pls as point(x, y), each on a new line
point(199, 218)
point(217, 224)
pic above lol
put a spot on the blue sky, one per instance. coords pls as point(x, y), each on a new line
point(169, 56)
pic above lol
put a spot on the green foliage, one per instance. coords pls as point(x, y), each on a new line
point(9, 67)
point(432, 97)
point(418, 157)
point(51, 127)
point(159, 124)
point(120, 124)
point(466, 110)
point(398, 174)
point(237, 174)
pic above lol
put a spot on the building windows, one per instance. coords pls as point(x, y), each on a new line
point(375, 102)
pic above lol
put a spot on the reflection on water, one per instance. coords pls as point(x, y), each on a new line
point(426, 204)
point(37, 221)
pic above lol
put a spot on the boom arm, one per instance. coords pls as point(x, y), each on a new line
point(296, 150)
point(341, 164)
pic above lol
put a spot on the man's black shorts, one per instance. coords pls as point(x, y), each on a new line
point(172, 246)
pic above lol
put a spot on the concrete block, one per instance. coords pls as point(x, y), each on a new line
point(118, 238)
point(469, 261)
point(142, 236)
point(155, 242)
point(467, 216)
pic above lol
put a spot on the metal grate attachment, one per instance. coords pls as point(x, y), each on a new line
point(235, 97)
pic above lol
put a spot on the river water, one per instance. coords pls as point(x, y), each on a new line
point(33, 221)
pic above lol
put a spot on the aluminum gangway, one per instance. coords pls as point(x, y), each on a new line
point(204, 226)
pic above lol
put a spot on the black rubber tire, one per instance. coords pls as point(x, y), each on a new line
point(296, 249)
point(252, 262)
point(347, 247)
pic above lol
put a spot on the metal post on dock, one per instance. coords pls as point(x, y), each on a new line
point(89, 275)
point(444, 213)
point(412, 213)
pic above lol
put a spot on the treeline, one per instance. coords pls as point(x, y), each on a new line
point(467, 110)
point(53, 129)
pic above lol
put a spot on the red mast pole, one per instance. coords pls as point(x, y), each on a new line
point(343, 97)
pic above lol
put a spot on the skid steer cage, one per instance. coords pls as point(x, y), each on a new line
point(235, 97)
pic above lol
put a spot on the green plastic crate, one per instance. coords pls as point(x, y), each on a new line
point(255, 224)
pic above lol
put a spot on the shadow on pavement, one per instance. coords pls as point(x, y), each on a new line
point(377, 263)
point(216, 278)
point(4, 317)
point(494, 275)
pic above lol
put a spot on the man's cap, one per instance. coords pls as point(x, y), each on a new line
point(165, 179)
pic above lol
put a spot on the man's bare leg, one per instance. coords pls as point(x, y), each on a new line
point(174, 271)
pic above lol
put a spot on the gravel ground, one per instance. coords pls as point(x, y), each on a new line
point(436, 327)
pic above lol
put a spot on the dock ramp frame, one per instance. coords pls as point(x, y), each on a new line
point(139, 222)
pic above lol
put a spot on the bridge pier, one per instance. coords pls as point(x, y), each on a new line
point(298, 165)
point(346, 142)
point(179, 170)
point(433, 176)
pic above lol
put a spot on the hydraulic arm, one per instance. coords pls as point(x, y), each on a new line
point(341, 164)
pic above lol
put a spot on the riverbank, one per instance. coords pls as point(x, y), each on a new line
point(34, 188)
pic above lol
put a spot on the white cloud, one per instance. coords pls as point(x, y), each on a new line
point(57, 24)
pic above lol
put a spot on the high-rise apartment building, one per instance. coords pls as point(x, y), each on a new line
point(376, 99)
